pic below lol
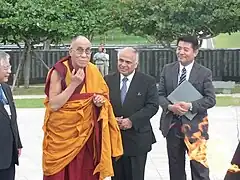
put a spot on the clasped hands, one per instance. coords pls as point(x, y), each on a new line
point(124, 123)
point(179, 108)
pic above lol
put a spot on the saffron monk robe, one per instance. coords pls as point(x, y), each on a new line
point(233, 172)
point(81, 134)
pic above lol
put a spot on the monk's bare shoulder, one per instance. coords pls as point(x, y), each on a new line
point(55, 84)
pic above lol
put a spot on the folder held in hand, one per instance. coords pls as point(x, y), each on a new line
point(187, 93)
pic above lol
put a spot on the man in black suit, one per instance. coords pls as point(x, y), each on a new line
point(182, 134)
point(233, 172)
point(10, 143)
point(134, 98)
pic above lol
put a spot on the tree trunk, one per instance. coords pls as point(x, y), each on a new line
point(40, 58)
point(15, 78)
point(27, 64)
point(18, 69)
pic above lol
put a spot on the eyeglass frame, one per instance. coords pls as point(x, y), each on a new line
point(79, 51)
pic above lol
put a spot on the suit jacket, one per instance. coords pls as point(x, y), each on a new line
point(200, 77)
point(9, 135)
point(140, 105)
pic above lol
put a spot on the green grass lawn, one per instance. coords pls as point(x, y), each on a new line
point(29, 91)
point(228, 101)
point(29, 103)
point(117, 37)
point(38, 103)
point(227, 41)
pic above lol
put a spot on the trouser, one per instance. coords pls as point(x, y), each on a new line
point(9, 173)
point(130, 167)
point(176, 149)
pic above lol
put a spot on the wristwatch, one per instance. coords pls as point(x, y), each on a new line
point(190, 107)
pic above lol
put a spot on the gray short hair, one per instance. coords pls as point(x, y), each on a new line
point(4, 57)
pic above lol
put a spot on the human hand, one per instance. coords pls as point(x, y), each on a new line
point(177, 109)
point(19, 152)
point(185, 105)
point(119, 120)
point(126, 123)
point(77, 77)
point(98, 100)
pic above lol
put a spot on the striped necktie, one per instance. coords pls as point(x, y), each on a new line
point(183, 76)
point(2, 97)
point(124, 89)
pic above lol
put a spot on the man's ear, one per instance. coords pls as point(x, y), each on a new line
point(70, 51)
point(196, 52)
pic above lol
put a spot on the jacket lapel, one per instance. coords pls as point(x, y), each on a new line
point(194, 73)
point(10, 103)
point(175, 71)
point(131, 89)
point(116, 88)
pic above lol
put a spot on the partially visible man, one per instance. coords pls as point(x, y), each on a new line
point(233, 172)
point(101, 60)
point(182, 134)
point(81, 134)
point(134, 98)
point(10, 143)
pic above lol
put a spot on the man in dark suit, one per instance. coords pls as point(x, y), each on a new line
point(182, 134)
point(10, 143)
point(134, 98)
point(233, 172)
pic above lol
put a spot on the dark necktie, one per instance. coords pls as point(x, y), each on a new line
point(183, 76)
point(2, 99)
point(124, 89)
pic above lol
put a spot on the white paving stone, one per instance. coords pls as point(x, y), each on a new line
point(222, 144)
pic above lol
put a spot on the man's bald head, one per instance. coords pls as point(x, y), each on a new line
point(80, 40)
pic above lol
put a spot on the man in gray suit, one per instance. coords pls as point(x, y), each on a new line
point(182, 134)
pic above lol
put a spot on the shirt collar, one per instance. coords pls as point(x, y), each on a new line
point(188, 67)
point(129, 77)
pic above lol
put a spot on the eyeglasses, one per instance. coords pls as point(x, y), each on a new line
point(5, 68)
point(80, 51)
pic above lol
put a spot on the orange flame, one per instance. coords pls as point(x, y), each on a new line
point(234, 169)
point(197, 149)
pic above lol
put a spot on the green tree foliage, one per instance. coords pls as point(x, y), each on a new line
point(35, 21)
point(165, 20)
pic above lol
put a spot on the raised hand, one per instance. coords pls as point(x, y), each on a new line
point(77, 77)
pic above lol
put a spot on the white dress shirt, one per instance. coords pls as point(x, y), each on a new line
point(129, 77)
point(188, 70)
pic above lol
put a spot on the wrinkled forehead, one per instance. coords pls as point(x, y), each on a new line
point(4, 62)
point(81, 44)
point(128, 54)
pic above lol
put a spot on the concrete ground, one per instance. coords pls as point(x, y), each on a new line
point(221, 146)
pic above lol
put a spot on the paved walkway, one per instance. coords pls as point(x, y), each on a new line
point(43, 96)
point(222, 144)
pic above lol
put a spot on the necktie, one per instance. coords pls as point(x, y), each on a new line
point(124, 89)
point(2, 99)
point(183, 76)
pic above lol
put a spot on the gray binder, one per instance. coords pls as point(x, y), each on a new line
point(187, 93)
